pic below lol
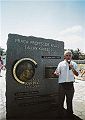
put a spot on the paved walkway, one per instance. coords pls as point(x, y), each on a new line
point(2, 96)
point(78, 101)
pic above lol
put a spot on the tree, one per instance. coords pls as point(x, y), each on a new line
point(2, 52)
point(77, 54)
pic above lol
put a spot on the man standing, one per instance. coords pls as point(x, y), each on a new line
point(66, 71)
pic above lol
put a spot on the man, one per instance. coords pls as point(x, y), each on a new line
point(66, 71)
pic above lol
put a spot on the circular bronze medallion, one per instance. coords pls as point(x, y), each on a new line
point(24, 70)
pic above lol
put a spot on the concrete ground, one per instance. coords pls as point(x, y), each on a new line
point(2, 96)
point(78, 101)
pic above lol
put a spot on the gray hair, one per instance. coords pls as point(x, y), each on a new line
point(67, 51)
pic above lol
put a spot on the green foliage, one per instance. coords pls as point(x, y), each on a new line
point(2, 52)
point(78, 54)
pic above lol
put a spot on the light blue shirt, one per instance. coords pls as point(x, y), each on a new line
point(66, 75)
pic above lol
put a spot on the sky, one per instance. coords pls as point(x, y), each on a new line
point(62, 20)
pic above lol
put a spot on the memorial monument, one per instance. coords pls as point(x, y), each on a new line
point(31, 87)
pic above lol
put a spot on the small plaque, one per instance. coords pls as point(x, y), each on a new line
point(49, 72)
point(51, 57)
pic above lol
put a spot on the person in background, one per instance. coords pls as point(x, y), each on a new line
point(66, 71)
point(1, 65)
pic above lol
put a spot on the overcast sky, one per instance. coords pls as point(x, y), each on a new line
point(62, 20)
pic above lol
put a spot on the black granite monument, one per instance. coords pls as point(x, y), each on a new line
point(31, 87)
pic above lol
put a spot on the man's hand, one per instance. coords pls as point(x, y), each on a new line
point(71, 66)
point(73, 70)
point(56, 73)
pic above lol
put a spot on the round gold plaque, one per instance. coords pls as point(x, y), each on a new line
point(24, 70)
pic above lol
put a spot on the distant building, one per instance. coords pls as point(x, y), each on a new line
point(4, 59)
point(80, 61)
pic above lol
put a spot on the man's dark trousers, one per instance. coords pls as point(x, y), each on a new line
point(66, 90)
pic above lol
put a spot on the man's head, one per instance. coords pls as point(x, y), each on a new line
point(68, 55)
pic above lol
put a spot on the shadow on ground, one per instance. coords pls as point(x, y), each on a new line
point(47, 115)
